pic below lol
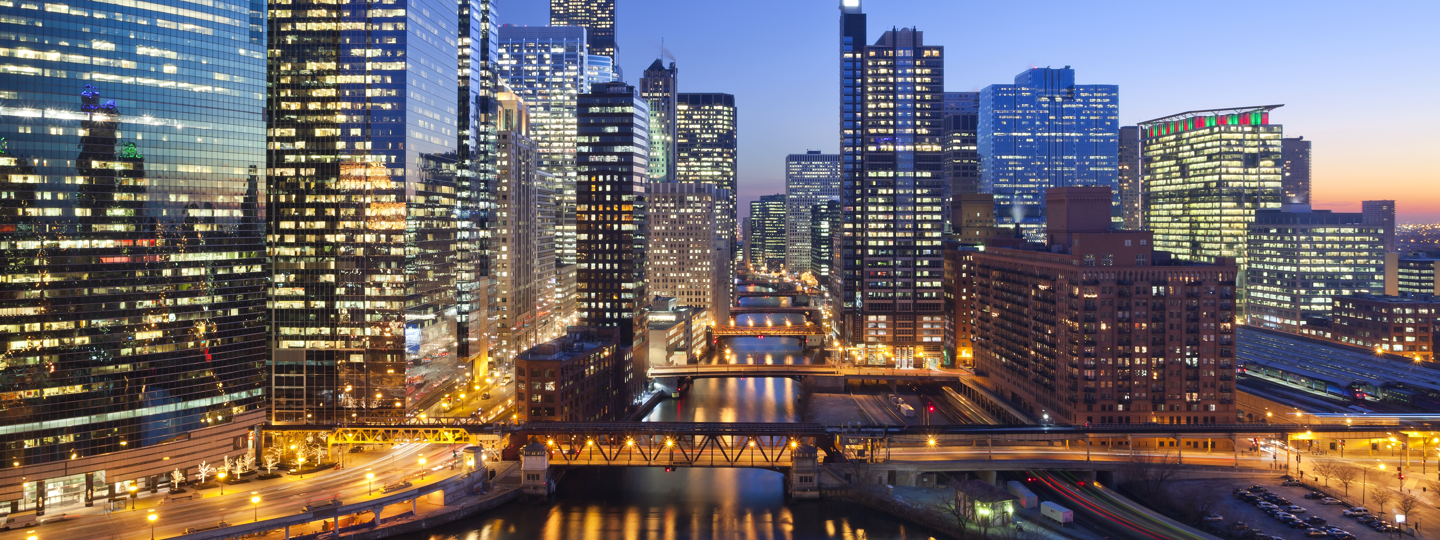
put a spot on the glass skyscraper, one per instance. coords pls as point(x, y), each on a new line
point(767, 232)
point(658, 87)
point(364, 215)
point(1045, 132)
point(892, 194)
point(962, 161)
point(707, 151)
point(811, 178)
point(1298, 259)
point(132, 222)
point(475, 175)
point(597, 17)
point(1129, 178)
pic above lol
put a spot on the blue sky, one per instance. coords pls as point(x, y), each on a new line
point(1358, 78)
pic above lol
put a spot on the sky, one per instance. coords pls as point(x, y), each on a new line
point(1355, 77)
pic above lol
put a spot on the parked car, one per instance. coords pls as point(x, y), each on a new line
point(1356, 511)
point(1297, 509)
point(1316, 532)
point(1297, 524)
point(1366, 519)
point(1316, 521)
point(1330, 500)
point(1292, 483)
point(1281, 501)
point(1214, 517)
point(1256, 489)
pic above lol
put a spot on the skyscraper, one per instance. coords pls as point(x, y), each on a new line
point(599, 69)
point(893, 194)
point(597, 17)
point(962, 159)
point(1381, 213)
point(687, 261)
point(133, 239)
point(824, 242)
point(1044, 132)
point(547, 68)
point(1206, 173)
point(707, 147)
point(810, 179)
point(475, 176)
point(364, 217)
point(613, 157)
point(1295, 156)
point(523, 256)
point(658, 87)
point(1129, 177)
point(1299, 259)
point(767, 232)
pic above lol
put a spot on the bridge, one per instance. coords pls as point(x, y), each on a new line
point(811, 313)
point(786, 330)
point(747, 294)
point(719, 371)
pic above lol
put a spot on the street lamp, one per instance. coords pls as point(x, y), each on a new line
point(370, 478)
point(222, 482)
point(133, 495)
point(255, 503)
point(152, 517)
point(422, 468)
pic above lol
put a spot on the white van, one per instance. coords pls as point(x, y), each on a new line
point(20, 521)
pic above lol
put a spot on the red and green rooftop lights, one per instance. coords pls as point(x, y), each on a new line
point(1253, 118)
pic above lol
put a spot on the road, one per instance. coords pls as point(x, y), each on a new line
point(278, 497)
point(1097, 508)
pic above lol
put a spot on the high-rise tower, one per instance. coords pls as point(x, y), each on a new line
point(707, 152)
point(475, 176)
point(1129, 177)
point(597, 17)
point(1381, 213)
point(811, 178)
point(1044, 131)
point(364, 221)
point(658, 88)
point(1295, 156)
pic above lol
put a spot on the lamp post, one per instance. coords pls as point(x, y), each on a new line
point(422, 468)
point(152, 517)
point(133, 495)
point(255, 503)
point(370, 478)
point(222, 482)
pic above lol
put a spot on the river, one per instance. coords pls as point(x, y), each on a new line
point(645, 503)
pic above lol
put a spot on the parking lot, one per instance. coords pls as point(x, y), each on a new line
point(1233, 509)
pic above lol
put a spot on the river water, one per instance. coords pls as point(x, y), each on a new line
point(648, 503)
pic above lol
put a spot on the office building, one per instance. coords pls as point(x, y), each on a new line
point(1295, 166)
point(599, 69)
point(1403, 325)
point(611, 220)
point(767, 233)
point(475, 174)
point(707, 148)
point(548, 68)
point(572, 378)
point(959, 288)
point(1412, 273)
point(893, 195)
point(1129, 178)
point(134, 290)
point(687, 261)
point(1299, 259)
point(973, 216)
point(658, 87)
point(677, 332)
point(824, 239)
point(1044, 131)
point(597, 17)
point(523, 260)
point(962, 157)
point(810, 179)
point(364, 217)
point(1206, 174)
point(1381, 213)
point(1112, 330)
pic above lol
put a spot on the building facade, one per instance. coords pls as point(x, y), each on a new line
point(1112, 331)
point(687, 261)
point(892, 195)
point(766, 248)
point(1412, 274)
point(1403, 325)
point(824, 239)
point(1129, 178)
point(548, 68)
point(135, 268)
point(611, 220)
point(1044, 131)
point(364, 219)
point(523, 260)
point(1295, 165)
point(707, 149)
point(475, 174)
point(572, 378)
point(1206, 174)
point(1381, 213)
point(962, 158)
point(1299, 259)
point(810, 179)
point(658, 86)
point(597, 17)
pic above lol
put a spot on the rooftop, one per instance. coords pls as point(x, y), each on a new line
point(1406, 298)
point(580, 341)
point(1213, 112)
point(1333, 363)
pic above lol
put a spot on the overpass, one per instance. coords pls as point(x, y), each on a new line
point(785, 330)
point(747, 294)
point(722, 371)
point(811, 313)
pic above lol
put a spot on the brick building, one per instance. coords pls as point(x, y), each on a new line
point(1096, 326)
point(1403, 325)
point(579, 377)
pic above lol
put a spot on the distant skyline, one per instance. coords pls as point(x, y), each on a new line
point(1351, 76)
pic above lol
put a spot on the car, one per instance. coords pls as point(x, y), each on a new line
point(1356, 511)
point(486, 395)
point(1282, 516)
point(1330, 500)
point(1316, 521)
point(1382, 526)
point(1265, 504)
point(1239, 526)
point(1297, 509)
point(1256, 489)
point(1292, 483)
point(1314, 495)
point(1281, 501)
point(1297, 524)
point(1214, 517)
point(1367, 519)
point(1316, 532)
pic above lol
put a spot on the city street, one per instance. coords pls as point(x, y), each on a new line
point(278, 497)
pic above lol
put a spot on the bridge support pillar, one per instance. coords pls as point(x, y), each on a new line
point(987, 476)
point(804, 476)
point(535, 470)
point(1179, 450)
point(1087, 446)
point(1235, 445)
point(669, 385)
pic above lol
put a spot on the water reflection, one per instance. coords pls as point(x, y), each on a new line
point(649, 503)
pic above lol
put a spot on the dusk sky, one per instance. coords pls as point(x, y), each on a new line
point(1357, 78)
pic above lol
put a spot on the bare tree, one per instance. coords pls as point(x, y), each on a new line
point(1382, 498)
point(1408, 503)
point(1346, 475)
point(1149, 473)
point(1194, 504)
point(956, 508)
point(1324, 469)
point(1432, 487)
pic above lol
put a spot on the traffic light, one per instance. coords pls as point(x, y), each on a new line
point(932, 408)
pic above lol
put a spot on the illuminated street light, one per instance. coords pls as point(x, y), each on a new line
point(152, 517)
point(222, 482)
point(255, 503)
point(370, 478)
point(422, 468)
